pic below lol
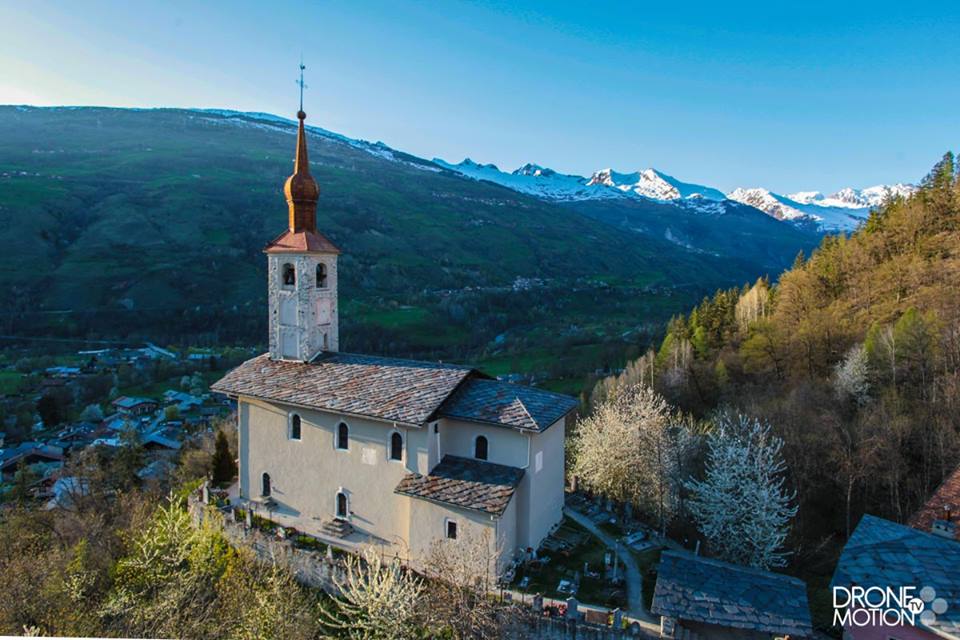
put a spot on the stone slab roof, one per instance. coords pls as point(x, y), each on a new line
point(391, 389)
point(508, 405)
point(300, 241)
point(705, 590)
point(407, 391)
point(945, 498)
point(463, 482)
point(886, 554)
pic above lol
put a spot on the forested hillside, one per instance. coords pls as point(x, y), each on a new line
point(149, 224)
point(853, 357)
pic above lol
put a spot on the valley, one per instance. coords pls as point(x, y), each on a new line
point(148, 225)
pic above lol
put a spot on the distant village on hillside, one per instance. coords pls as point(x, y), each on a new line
point(149, 397)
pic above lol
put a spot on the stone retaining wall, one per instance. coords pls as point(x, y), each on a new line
point(317, 570)
point(311, 568)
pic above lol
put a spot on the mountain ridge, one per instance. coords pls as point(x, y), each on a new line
point(150, 223)
point(841, 211)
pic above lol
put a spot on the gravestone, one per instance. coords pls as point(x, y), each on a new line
point(248, 518)
point(537, 604)
point(205, 493)
point(617, 619)
point(572, 608)
point(233, 515)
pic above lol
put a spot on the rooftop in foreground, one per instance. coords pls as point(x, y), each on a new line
point(883, 553)
point(710, 591)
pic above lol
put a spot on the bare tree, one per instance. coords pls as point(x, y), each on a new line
point(462, 577)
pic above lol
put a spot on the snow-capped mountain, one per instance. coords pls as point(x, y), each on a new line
point(654, 184)
point(854, 198)
point(604, 184)
point(844, 210)
point(534, 180)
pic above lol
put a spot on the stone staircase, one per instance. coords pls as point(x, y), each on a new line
point(337, 528)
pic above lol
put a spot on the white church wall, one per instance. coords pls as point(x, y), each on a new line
point(306, 474)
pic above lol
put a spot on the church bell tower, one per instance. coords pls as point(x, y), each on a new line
point(302, 271)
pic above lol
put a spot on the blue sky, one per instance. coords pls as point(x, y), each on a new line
point(787, 95)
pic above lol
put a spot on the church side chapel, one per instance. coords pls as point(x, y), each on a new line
point(360, 449)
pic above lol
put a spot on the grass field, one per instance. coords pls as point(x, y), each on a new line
point(10, 382)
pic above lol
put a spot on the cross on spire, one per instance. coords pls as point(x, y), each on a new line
point(301, 84)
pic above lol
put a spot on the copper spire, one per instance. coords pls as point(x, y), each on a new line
point(302, 194)
point(301, 189)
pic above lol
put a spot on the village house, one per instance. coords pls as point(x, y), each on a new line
point(700, 598)
point(360, 449)
point(41, 457)
point(941, 513)
point(133, 406)
point(924, 555)
point(884, 554)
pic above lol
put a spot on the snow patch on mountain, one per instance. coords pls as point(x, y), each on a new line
point(270, 122)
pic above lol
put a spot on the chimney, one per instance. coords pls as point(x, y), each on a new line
point(944, 529)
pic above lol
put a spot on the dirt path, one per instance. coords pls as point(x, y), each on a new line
point(634, 579)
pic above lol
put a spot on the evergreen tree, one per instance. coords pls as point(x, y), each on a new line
point(223, 467)
point(23, 481)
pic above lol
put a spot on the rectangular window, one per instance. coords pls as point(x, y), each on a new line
point(538, 462)
point(451, 530)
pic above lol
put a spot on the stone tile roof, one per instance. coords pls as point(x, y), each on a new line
point(386, 388)
point(886, 554)
point(463, 482)
point(705, 590)
point(509, 405)
point(300, 241)
point(945, 498)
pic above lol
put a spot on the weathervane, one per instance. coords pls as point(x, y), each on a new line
point(300, 82)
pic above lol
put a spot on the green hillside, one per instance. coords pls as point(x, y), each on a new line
point(149, 224)
point(853, 357)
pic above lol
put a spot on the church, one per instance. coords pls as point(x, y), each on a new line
point(367, 450)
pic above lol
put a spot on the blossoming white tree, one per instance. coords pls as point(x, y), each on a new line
point(851, 377)
point(742, 506)
point(377, 599)
point(631, 449)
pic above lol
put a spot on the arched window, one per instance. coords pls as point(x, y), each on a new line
point(295, 427)
point(341, 504)
point(265, 485)
point(289, 275)
point(343, 436)
point(321, 276)
point(480, 448)
point(396, 446)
